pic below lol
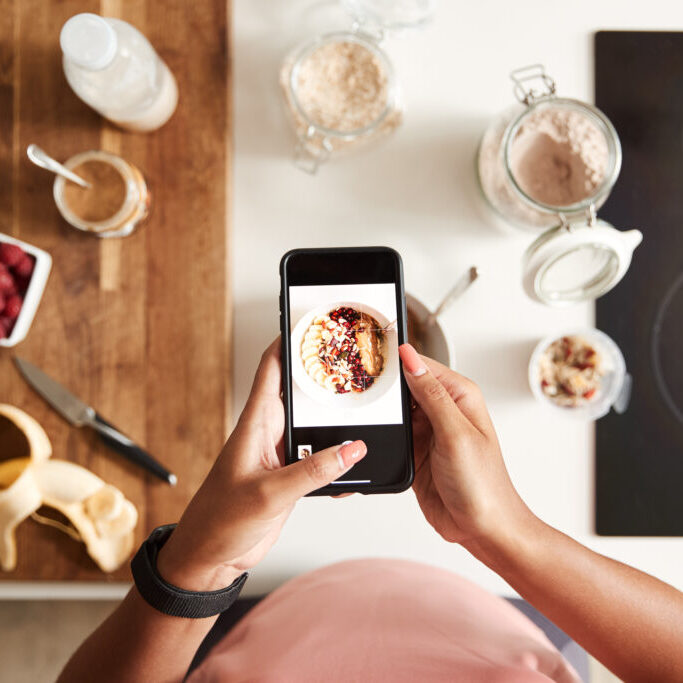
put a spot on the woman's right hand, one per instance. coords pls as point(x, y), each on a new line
point(461, 482)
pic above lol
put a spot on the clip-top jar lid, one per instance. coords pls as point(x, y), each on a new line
point(391, 14)
point(577, 261)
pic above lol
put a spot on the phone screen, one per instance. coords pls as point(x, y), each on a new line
point(343, 319)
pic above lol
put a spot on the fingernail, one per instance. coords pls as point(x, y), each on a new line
point(412, 362)
point(350, 452)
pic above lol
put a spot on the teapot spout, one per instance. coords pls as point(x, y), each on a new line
point(633, 238)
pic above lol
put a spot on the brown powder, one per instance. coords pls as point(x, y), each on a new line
point(559, 157)
point(13, 442)
point(103, 198)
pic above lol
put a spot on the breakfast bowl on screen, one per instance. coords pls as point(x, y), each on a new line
point(344, 354)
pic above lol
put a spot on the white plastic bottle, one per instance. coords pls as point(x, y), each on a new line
point(113, 68)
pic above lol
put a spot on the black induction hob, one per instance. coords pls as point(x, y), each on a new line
point(639, 455)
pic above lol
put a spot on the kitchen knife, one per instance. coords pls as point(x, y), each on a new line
point(80, 414)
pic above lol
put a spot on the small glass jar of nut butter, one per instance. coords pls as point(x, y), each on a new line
point(114, 203)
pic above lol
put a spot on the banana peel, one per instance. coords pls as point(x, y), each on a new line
point(99, 514)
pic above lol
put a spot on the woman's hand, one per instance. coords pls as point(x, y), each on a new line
point(237, 514)
point(460, 482)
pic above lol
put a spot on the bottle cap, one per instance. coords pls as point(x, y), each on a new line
point(89, 41)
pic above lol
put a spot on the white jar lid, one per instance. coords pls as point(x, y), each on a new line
point(577, 261)
point(89, 41)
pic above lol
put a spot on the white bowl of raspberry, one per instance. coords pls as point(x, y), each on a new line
point(24, 270)
point(365, 337)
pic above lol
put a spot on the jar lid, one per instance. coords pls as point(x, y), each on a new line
point(577, 261)
point(390, 14)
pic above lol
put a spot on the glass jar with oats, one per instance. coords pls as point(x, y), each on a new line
point(340, 89)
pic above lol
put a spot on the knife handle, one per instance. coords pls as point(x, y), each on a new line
point(120, 443)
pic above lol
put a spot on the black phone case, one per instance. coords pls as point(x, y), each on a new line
point(399, 486)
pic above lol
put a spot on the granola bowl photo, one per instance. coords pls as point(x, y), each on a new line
point(344, 354)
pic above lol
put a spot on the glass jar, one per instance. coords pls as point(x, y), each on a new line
point(548, 164)
point(316, 142)
point(134, 202)
point(547, 156)
point(614, 388)
point(340, 89)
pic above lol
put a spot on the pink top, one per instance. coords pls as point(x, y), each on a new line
point(384, 620)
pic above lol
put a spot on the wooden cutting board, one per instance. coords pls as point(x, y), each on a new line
point(138, 327)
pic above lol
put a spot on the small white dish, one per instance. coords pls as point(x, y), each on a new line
point(34, 293)
point(351, 400)
point(615, 386)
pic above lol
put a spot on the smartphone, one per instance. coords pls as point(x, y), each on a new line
point(343, 317)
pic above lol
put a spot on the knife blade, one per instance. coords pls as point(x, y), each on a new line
point(71, 408)
point(80, 414)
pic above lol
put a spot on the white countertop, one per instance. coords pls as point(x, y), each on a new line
point(417, 193)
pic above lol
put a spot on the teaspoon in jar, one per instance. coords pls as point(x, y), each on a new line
point(40, 158)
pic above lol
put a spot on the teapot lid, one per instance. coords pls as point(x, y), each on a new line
point(577, 261)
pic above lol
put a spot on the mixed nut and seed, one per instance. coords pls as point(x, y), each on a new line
point(335, 350)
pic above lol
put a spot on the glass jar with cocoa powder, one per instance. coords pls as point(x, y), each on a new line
point(547, 155)
point(548, 164)
point(339, 89)
point(114, 204)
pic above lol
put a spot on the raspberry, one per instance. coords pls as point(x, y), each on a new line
point(21, 285)
point(6, 326)
point(2, 303)
point(10, 254)
point(25, 267)
point(13, 307)
point(6, 279)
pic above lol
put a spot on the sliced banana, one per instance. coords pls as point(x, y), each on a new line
point(105, 504)
point(320, 375)
point(311, 341)
point(20, 499)
point(310, 362)
point(120, 525)
point(309, 351)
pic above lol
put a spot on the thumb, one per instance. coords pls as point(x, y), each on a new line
point(429, 393)
point(317, 470)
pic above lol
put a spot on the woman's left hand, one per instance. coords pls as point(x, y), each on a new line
point(238, 512)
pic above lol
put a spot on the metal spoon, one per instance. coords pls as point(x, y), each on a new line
point(460, 286)
point(40, 158)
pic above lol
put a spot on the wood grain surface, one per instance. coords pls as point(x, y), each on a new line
point(138, 327)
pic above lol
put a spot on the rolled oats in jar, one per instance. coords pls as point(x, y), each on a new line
point(339, 89)
point(340, 92)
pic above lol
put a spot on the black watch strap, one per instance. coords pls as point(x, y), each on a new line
point(171, 600)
